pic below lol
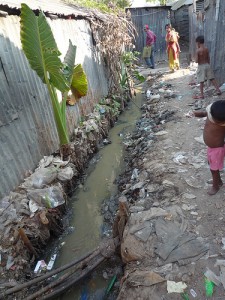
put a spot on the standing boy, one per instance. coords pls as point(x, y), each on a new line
point(213, 135)
point(204, 71)
point(150, 42)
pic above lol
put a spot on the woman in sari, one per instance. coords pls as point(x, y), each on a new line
point(173, 48)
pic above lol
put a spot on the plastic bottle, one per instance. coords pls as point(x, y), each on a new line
point(209, 285)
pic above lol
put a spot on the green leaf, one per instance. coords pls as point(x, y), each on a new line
point(40, 48)
point(79, 85)
point(69, 61)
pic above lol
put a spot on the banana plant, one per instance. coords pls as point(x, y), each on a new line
point(41, 50)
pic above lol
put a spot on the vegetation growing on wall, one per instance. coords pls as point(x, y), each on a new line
point(113, 37)
point(161, 2)
point(103, 5)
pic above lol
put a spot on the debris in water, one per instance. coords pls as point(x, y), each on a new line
point(51, 262)
point(111, 284)
point(40, 266)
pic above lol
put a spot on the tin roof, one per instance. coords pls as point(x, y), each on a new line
point(57, 7)
point(181, 3)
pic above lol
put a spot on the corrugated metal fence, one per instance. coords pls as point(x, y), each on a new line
point(180, 21)
point(209, 20)
point(156, 18)
point(27, 129)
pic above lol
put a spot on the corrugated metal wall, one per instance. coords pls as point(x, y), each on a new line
point(180, 21)
point(211, 24)
point(27, 129)
point(156, 18)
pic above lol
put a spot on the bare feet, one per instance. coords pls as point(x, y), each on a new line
point(213, 190)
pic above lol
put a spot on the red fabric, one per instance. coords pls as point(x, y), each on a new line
point(216, 158)
point(173, 46)
point(150, 38)
point(171, 39)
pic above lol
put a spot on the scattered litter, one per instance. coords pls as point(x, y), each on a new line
point(175, 287)
point(65, 174)
point(153, 97)
point(194, 213)
point(179, 158)
point(188, 207)
point(190, 114)
point(177, 245)
point(164, 269)
point(222, 275)
point(193, 293)
point(209, 286)
point(45, 161)
point(40, 266)
point(192, 182)
point(134, 174)
point(221, 264)
point(40, 178)
point(188, 196)
point(148, 94)
point(211, 276)
point(167, 183)
point(33, 206)
point(106, 142)
point(51, 262)
point(144, 278)
point(49, 197)
point(110, 285)
point(163, 132)
point(10, 262)
point(200, 139)
point(185, 296)
point(223, 242)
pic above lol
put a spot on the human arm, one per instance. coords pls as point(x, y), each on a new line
point(200, 114)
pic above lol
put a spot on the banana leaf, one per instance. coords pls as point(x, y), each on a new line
point(79, 85)
point(40, 48)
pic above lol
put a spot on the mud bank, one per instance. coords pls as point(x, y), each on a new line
point(32, 214)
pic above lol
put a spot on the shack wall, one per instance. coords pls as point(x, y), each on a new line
point(156, 18)
point(180, 21)
point(209, 21)
point(27, 128)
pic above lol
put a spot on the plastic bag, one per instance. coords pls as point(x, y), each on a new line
point(49, 197)
point(40, 178)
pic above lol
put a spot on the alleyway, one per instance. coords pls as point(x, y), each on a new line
point(176, 230)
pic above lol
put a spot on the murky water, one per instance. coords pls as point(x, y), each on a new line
point(86, 218)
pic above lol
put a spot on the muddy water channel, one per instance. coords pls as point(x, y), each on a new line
point(86, 220)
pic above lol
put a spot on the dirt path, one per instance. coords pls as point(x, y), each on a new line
point(172, 191)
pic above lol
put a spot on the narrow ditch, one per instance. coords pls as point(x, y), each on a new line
point(92, 207)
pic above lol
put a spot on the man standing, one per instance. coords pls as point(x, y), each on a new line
point(150, 42)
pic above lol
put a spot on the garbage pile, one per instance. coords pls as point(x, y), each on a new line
point(32, 214)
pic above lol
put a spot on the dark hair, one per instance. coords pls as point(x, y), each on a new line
point(200, 39)
point(218, 110)
point(168, 25)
